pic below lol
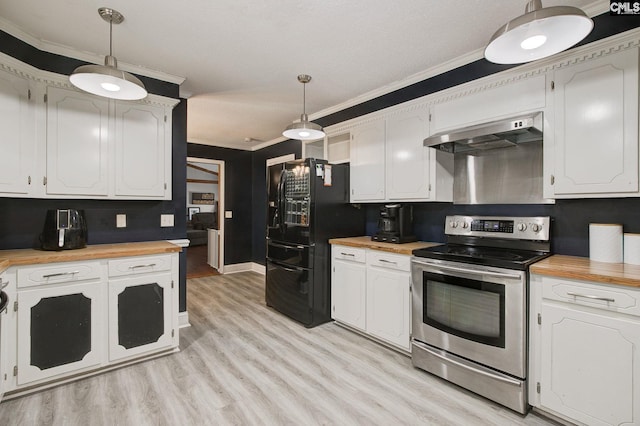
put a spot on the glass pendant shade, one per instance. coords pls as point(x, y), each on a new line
point(304, 129)
point(539, 33)
point(107, 80)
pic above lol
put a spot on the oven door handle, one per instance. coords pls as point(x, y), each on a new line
point(495, 376)
point(442, 268)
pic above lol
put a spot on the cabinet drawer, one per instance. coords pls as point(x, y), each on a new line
point(139, 265)
point(388, 260)
point(348, 253)
point(603, 296)
point(30, 276)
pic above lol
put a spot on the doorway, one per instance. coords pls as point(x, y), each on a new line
point(205, 224)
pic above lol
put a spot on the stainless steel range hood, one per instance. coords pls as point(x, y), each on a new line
point(496, 134)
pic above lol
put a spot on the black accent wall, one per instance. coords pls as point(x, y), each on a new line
point(21, 219)
point(238, 198)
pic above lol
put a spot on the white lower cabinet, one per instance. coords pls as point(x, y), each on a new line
point(60, 330)
point(585, 352)
point(371, 292)
point(389, 298)
point(73, 318)
point(140, 315)
point(348, 286)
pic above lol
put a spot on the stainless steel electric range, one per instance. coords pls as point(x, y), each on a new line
point(470, 304)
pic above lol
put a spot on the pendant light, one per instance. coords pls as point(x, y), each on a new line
point(107, 80)
point(539, 33)
point(303, 130)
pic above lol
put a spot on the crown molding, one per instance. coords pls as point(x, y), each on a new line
point(59, 49)
point(46, 78)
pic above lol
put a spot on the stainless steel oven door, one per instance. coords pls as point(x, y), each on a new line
point(476, 312)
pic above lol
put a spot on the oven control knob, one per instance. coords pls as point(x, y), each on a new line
point(453, 224)
point(535, 227)
point(522, 227)
point(465, 225)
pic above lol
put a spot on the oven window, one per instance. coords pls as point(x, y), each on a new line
point(467, 308)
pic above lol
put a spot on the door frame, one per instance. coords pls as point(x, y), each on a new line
point(221, 210)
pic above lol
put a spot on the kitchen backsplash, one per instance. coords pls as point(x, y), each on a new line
point(569, 229)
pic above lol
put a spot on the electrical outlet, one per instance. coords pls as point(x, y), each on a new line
point(121, 221)
point(228, 214)
point(166, 220)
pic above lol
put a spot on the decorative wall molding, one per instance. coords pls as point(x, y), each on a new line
point(600, 48)
point(50, 79)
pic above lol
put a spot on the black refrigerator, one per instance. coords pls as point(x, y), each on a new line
point(308, 203)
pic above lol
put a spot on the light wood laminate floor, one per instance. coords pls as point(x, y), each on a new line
point(242, 363)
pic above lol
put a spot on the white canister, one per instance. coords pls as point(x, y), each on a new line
point(605, 242)
point(632, 249)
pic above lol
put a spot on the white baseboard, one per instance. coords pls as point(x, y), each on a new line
point(244, 267)
point(183, 319)
point(258, 268)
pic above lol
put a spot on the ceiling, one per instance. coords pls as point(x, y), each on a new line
point(240, 58)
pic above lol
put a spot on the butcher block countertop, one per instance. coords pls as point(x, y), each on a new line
point(99, 251)
point(366, 242)
point(581, 268)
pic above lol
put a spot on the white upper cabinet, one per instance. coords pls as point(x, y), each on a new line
point(407, 158)
point(367, 162)
point(141, 150)
point(592, 134)
point(17, 139)
point(390, 163)
point(476, 105)
point(77, 143)
point(60, 142)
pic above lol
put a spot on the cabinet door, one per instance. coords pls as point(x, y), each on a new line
point(141, 151)
point(77, 143)
point(595, 126)
point(16, 135)
point(348, 285)
point(59, 331)
point(388, 306)
point(407, 157)
point(140, 315)
point(367, 162)
point(590, 366)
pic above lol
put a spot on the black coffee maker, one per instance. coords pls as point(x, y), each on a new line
point(64, 230)
point(395, 224)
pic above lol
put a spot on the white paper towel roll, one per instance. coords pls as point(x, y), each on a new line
point(605, 242)
point(632, 249)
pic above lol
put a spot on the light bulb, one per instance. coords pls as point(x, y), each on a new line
point(304, 134)
point(110, 87)
point(533, 42)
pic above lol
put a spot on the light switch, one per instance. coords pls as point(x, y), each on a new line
point(228, 214)
point(166, 220)
point(121, 221)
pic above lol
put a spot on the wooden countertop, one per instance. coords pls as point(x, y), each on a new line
point(366, 242)
point(581, 268)
point(99, 251)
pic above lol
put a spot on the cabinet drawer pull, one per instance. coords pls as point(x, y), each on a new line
point(60, 274)
point(348, 254)
point(589, 296)
point(149, 265)
point(387, 261)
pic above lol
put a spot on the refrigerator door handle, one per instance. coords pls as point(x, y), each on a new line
point(286, 246)
point(281, 199)
point(286, 268)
